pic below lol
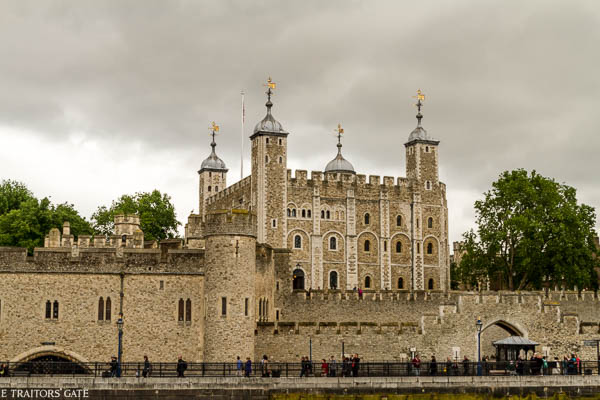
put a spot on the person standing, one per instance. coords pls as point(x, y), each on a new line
point(355, 364)
point(248, 367)
point(147, 367)
point(114, 366)
point(324, 368)
point(448, 368)
point(238, 367)
point(466, 365)
point(3, 371)
point(433, 366)
point(416, 365)
point(181, 367)
point(332, 367)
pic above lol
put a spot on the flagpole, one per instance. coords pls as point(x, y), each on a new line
point(242, 144)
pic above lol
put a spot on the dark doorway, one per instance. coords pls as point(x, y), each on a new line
point(298, 283)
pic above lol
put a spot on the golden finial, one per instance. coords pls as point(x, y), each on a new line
point(271, 84)
point(420, 96)
point(214, 128)
point(339, 129)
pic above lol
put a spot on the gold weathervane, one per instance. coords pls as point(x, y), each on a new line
point(214, 128)
point(271, 84)
point(339, 129)
point(420, 96)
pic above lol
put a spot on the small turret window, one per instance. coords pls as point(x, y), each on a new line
point(426, 149)
point(367, 219)
point(367, 246)
point(418, 248)
point(385, 245)
point(429, 248)
point(428, 185)
point(367, 282)
point(297, 242)
point(399, 220)
point(332, 243)
point(430, 222)
point(280, 160)
point(398, 247)
point(400, 283)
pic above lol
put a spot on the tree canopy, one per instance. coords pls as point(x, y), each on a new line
point(530, 228)
point(25, 220)
point(157, 215)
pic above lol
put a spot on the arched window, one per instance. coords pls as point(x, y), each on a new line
point(293, 212)
point(428, 185)
point(418, 248)
point(55, 310)
point(400, 283)
point(216, 188)
point(188, 310)
point(303, 213)
point(332, 243)
point(367, 219)
point(124, 239)
point(333, 280)
point(429, 248)
point(289, 212)
point(260, 308)
point(48, 309)
point(308, 213)
point(297, 242)
point(398, 247)
point(426, 149)
point(367, 282)
point(399, 220)
point(180, 310)
point(367, 245)
point(298, 279)
point(209, 188)
point(327, 214)
point(280, 160)
point(100, 309)
point(430, 222)
point(108, 309)
point(322, 214)
point(430, 284)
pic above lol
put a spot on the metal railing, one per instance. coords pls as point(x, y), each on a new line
point(296, 369)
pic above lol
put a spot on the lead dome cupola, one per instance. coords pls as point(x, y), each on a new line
point(269, 124)
point(213, 162)
point(339, 163)
point(419, 133)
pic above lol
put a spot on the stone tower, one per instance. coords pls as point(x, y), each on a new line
point(230, 269)
point(269, 177)
point(213, 175)
point(422, 170)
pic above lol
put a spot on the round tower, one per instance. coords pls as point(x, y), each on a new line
point(229, 285)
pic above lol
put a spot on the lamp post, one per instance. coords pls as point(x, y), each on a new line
point(479, 326)
point(120, 350)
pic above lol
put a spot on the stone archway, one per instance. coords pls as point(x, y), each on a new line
point(497, 329)
point(50, 360)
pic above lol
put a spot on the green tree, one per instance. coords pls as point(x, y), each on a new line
point(12, 194)
point(530, 228)
point(25, 220)
point(157, 214)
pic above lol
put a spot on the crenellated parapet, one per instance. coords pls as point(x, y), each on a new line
point(299, 179)
point(230, 222)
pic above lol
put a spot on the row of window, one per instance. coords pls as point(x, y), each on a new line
point(298, 281)
point(366, 245)
point(263, 305)
point(326, 214)
point(280, 141)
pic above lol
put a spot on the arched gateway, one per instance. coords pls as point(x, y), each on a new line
point(49, 360)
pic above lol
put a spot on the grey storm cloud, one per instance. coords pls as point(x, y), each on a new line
point(509, 84)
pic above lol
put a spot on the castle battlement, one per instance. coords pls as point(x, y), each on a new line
point(230, 222)
point(101, 260)
point(298, 178)
point(228, 191)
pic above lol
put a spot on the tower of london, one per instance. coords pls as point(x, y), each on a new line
point(270, 261)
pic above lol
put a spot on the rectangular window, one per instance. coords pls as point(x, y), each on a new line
point(277, 315)
point(246, 304)
point(274, 223)
point(161, 285)
point(55, 313)
point(385, 245)
point(223, 305)
point(48, 309)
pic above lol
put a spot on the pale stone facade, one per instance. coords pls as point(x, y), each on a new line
point(269, 262)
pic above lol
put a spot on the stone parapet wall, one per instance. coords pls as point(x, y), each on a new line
point(230, 222)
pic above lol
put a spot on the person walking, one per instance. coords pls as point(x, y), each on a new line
point(248, 367)
point(181, 366)
point(147, 367)
point(114, 366)
point(238, 367)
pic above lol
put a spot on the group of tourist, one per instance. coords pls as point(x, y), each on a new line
point(450, 367)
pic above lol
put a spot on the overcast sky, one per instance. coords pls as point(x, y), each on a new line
point(101, 98)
